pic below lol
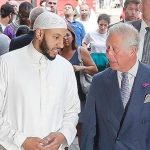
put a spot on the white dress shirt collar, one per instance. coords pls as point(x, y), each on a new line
point(36, 56)
point(133, 70)
point(131, 75)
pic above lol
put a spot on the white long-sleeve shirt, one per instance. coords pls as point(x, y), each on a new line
point(37, 96)
point(97, 41)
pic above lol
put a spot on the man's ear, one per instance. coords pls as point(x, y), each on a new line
point(39, 33)
point(141, 7)
point(10, 15)
point(133, 51)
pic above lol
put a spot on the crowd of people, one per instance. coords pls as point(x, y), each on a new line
point(42, 102)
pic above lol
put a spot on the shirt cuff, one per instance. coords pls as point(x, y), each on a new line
point(19, 139)
point(69, 134)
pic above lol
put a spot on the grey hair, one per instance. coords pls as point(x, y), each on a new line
point(142, 1)
point(128, 33)
point(35, 12)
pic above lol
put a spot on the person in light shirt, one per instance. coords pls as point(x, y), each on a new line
point(87, 18)
point(39, 102)
point(97, 42)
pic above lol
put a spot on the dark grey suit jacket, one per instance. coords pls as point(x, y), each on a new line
point(106, 125)
point(136, 24)
point(21, 41)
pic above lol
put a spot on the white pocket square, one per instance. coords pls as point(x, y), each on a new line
point(147, 98)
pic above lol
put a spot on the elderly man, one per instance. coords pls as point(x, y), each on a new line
point(39, 102)
point(117, 112)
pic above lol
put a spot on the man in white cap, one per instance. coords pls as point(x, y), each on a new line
point(39, 104)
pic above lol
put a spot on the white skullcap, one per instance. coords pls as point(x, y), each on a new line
point(49, 20)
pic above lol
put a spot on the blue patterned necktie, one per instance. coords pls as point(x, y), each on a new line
point(146, 47)
point(125, 91)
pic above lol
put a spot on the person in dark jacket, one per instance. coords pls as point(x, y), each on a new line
point(25, 39)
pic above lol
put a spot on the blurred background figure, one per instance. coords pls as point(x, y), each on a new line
point(97, 41)
point(23, 14)
point(23, 29)
point(51, 5)
point(7, 14)
point(4, 44)
point(131, 10)
point(86, 18)
point(76, 25)
point(43, 3)
point(23, 40)
point(107, 3)
point(71, 52)
point(15, 4)
point(143, 26)
point(115, 3)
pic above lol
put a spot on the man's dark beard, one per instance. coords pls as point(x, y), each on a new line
point(44, 48)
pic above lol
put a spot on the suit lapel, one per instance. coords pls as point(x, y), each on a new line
point(115, 105)
point(136, 24)
point(135, 103)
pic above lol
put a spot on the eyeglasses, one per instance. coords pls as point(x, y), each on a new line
point(112, 51)
point(54, 3)
point(67, 35)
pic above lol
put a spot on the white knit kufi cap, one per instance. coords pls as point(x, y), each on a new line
point(49, 20)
